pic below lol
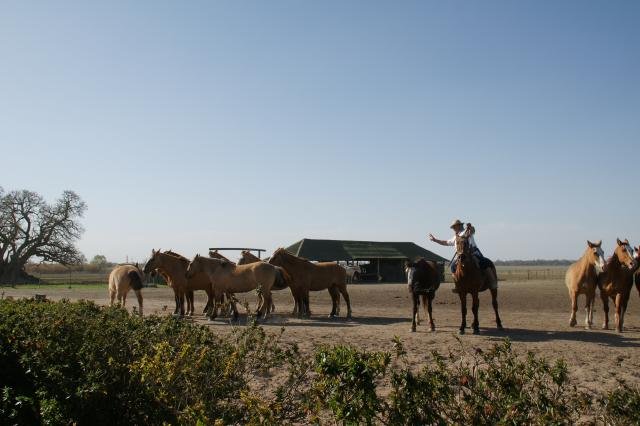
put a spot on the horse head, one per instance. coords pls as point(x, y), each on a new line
point(153, 262)
point(194, 267)
point(624, 253)
point(595, 255)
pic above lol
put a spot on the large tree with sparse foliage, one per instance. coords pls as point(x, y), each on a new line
point(31, 227)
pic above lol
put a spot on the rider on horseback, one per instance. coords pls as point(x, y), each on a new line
point(460, 231)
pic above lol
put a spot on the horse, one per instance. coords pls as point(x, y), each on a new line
point(616, 281)
point(173, 266)
point(247, 257)
point(307, 276)
point(226, 277)
point(636, 275)
point(469, 278)
point(124, 278)
point(423, 279)
point(283, 279)
point(582, 278)
point(353, 273)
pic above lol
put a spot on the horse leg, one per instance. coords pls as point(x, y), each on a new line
point(112, 295)
point(619, 319)
point(474, 308)
point(209, 302)
point(139, 297)
point(268, 301)
point(574, 309)
point(306, 309)
point(335, 297)
point(176, 311)
point(463, 310)
point(415, 311)
point(587, 311)
point(494, 302)
point(430, 297)
point(347, 299)
point(189, 297)
point(605, 311)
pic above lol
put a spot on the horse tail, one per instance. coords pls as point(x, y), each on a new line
point(134, 280)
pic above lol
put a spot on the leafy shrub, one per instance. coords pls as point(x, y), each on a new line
point(622, 406)
point(346, 382)
point(78, 363)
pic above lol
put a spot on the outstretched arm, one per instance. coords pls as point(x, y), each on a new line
point(435, 240)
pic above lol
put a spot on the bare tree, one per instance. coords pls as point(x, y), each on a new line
point(29, 226)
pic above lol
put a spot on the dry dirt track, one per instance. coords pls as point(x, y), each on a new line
point(534, 313)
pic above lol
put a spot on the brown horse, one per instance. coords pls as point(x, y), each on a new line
point(582, 278)
point(469, 279)
point(283, 279)
point(247, 257)
point(174, 266)
point(423, 279)
point(636, 275)
point(124, 278)
point(228, 278)
point(616, 281)
point(307, 276)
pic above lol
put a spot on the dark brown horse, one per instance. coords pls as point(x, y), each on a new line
point(636, 275)
point(469, 279)
point(616, 281)
point(423, 278)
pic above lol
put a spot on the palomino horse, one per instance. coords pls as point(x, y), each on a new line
point(582, 278)
point(469, 278)
point(307, 276)
point(616, 281)
point(423, 279)
point(228, 278)
point(124, 278)
point(174, 266)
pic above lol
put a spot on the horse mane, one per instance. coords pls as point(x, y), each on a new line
point(293, 256)
point(176, 255)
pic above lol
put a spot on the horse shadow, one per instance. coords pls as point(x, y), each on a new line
point(606, 338)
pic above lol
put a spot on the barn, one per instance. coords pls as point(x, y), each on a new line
point(379, 261)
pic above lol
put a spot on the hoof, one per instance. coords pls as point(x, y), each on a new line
point(461, 331)
point(500, 327)
point(605, 327)
point(413, 329)
point(587, 327)
point(432, 329)
point(572, 323)
point(619, 330)
point(476, 331)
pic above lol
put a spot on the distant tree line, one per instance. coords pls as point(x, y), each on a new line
point(99, 264)
point(535, 262)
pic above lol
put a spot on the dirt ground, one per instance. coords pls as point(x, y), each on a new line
point(535, 315)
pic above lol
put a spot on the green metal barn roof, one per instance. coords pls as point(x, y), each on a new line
point(330, 250)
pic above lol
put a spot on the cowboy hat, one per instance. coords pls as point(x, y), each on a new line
point(456, 223)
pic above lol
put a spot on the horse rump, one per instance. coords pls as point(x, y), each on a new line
point(134, 280)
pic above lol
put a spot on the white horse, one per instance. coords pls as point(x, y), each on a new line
point(352, 270)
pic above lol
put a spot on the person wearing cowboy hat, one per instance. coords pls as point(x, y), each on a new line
point(460, 231)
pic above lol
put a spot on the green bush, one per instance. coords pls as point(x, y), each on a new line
point(78, 363)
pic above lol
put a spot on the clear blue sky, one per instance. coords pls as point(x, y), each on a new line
point(185, 125)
